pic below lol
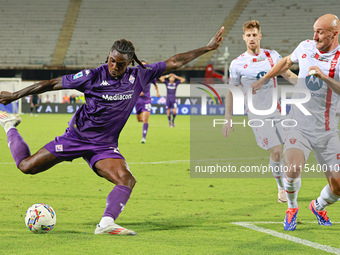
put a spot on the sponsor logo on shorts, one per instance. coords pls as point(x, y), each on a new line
point(338, 156)
point(292, 140)
point(59, 148)
point(78, 75)
point(265, 140)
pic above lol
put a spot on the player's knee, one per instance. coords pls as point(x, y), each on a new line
point(293, 169)
point(126, 180)
point(276, 153)
point(132, 182)
point(26, 168)
point(276, 156)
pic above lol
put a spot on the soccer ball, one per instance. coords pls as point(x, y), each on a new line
point(40, 218)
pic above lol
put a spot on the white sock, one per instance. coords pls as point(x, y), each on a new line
point(9, 125)
point(277, 169)
point(327, 197)
point(105, 221)
point(292, 186)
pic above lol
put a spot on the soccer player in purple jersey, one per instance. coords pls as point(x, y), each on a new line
point(143, 106)
point(171, 82)
point(111, 91)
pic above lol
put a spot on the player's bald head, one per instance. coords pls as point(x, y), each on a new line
point(328, 22)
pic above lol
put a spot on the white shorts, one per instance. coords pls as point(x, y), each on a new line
point(271, 134)
point(327, 154)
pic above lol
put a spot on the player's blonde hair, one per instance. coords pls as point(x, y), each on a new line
point(252, 24)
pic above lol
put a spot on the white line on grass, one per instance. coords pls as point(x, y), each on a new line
point(158, 162)
point(294, 239)
point(162, 162)
point(281, 222)
point(130, 163)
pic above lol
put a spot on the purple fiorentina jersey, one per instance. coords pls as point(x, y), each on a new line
point(146, 90)
point(109, 101)
point(171, 89)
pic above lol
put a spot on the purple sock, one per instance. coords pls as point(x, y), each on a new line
point(169, 118)
point(173, 118)
point(145, 129)
point(116, 201)
point(17, 146)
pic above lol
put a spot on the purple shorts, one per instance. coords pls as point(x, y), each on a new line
point(170, 104)
point(68, 147)
point(143, 105)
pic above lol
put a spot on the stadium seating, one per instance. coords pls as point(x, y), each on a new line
point(30, 31)
point(158, 29)
point(284, 23)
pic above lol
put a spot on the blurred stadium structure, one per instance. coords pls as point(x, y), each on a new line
point(41, 39)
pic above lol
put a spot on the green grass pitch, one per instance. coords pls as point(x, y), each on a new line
point(171, 212)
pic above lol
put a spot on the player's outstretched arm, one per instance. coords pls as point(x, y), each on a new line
point(290, 77)
point(282, 66)
point(37, 88)
point(181, 59)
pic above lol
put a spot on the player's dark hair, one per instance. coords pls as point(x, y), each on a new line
point(124, 46)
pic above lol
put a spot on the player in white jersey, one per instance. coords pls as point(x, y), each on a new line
point(319, 74)
point(244, 70)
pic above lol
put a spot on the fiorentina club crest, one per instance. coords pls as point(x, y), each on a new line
point(131, 79)
point(292, 141)
point(59, 147)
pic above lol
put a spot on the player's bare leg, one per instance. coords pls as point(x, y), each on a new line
point(276, 163)
point(38, 162)
point(294, 162)
point(139, 117)
point(116, 171)
point(146, 117)
point(333, 179)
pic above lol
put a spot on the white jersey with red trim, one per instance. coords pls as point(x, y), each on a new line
point(246, 69)
point(323, 102)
